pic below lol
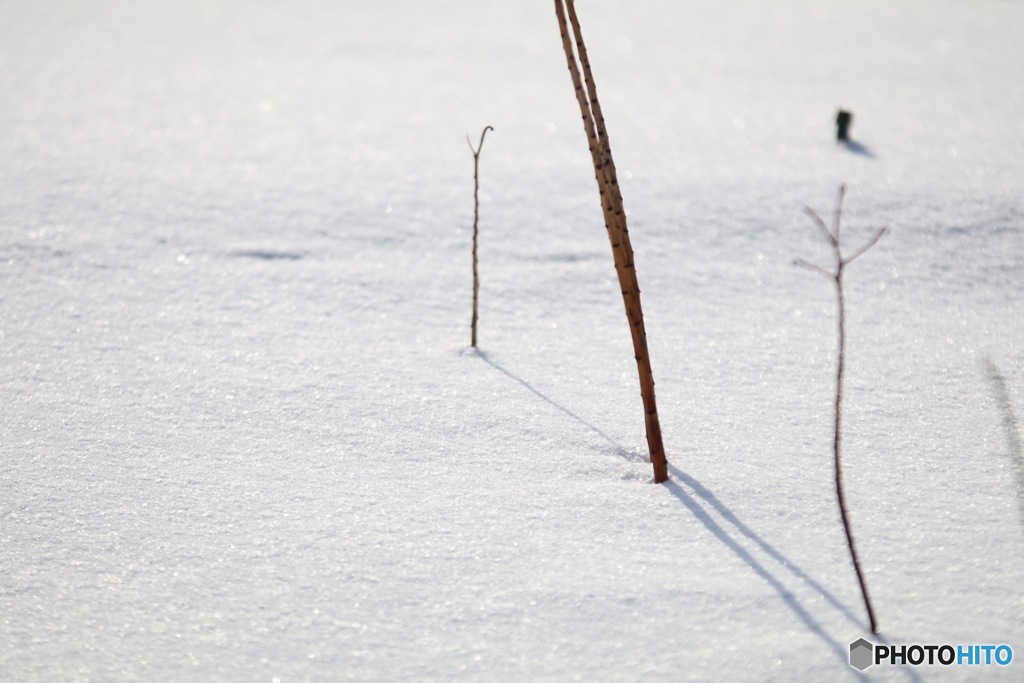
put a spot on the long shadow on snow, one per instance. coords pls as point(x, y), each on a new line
point(732, 544)
point(729, 516)
point(840, 651)
point(619, 450)
point(702, 492)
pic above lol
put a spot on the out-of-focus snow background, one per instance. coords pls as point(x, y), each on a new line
point(242, 436)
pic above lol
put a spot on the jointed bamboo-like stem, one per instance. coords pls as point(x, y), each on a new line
point(476, 220)
point(615, 221)
point(833, 236)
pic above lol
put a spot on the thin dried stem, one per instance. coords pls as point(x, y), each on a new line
point(837, 280)
point(821, 224)
point(870, 243)
point(476, 221)
point(810, 266)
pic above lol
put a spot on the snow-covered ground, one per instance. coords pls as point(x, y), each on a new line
point(242, 435)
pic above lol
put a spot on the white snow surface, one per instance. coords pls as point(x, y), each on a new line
point(243, 437)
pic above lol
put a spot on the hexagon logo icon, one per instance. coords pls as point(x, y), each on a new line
point(862, 654)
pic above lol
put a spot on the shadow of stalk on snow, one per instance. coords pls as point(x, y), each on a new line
point(1011, 427)
point(729, 516)
point(619, 450)
point(698, 490)
point(688, 490)
point(706, 518)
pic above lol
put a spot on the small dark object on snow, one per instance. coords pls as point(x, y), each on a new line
point(843, 121)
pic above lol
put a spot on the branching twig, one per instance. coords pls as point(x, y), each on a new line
point(476, 220)
point(820, 223)
point(810, 266)
point(836, 277)
point(878, 235)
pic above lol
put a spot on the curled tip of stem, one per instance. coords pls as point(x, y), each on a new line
point(476, 151)
point(482, 135)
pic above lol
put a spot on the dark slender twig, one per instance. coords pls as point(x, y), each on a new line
point(871, 243)
point(810, 266)
point(820, 223)
point(476, 220)
point(837, 279)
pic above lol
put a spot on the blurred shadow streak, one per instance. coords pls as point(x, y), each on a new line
point(1011, 427)
point(857, 148)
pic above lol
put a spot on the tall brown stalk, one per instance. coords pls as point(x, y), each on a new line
point(614, 220)
point(476, 221)
point(836, 277)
